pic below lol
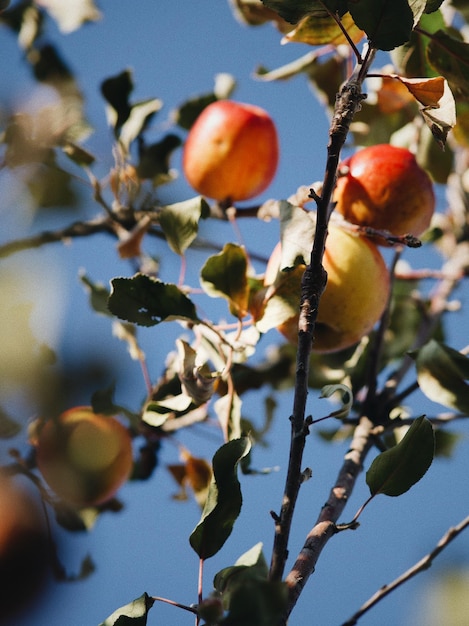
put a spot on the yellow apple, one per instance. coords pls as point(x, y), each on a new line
point(231, 152)
point(385, 188)
point(84, 457)
point(355, 297)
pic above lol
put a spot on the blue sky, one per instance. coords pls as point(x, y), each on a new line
point(174, 50)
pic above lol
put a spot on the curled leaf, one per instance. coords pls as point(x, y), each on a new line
point(197, 381)
point(224, 500)
point(346, 398)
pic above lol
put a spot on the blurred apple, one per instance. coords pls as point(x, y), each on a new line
point(355, 297)
point(231, 152)
point(84, 457)
point(24, 547)
point(384, 187)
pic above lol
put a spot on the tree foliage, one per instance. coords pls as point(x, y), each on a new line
point(417, 100)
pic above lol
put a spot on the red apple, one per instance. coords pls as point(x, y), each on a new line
point(231, 152)
point(384, 187)
point(84, 457)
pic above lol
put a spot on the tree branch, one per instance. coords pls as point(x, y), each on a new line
point(313, 284)
point(422, 565)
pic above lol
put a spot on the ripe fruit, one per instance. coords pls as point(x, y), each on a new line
point(231, 152)
point(84, 457)
point(355, 297)
point(385, 188)
point(24, 547)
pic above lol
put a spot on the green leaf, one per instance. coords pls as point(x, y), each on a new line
point(387, 24)
point(257, 603)
point(395, 471)
point(246, 592)
point(228, 410)
point(99, 294)
point(8, 427)
point(225, 275)
point(346, 398)
point(441, 374)
point(154, 159)
point(180, 222)
point(450, 58)
point(197, 381)
point(250, 565)
point(224, 500)
point(147, 301)
point(116, 91)
point(293, 12)
point(133, 614)
point(139, 117)
point(78, 155)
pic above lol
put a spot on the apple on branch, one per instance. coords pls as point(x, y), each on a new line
point(231, 152)
point(384, 187)
point(356, 294)
point(83, 456)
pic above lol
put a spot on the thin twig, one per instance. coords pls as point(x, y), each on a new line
point(325, 526)
point(421, 566)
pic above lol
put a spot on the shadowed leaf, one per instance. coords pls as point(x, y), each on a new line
point(146, 301)
point(441, 373)
point(395, 471)
point(224, 500)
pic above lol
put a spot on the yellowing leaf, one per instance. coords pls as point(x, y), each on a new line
point(323, 30)
point(428, 91)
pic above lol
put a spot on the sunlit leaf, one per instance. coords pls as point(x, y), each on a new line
point(193, 472)
point(225, 275)
point(133, 614)
point(223, 502)
point(346, 398)
point(72, 14)
point(396, 470)
point(228, 411)
point(98, 293)
point(442, 373)
point(180, 222)
point(78, 154)
point(197, 381)
point(146, 301)
point(139, 116)
point(322, 30)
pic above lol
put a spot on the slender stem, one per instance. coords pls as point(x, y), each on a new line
point(421, 566)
